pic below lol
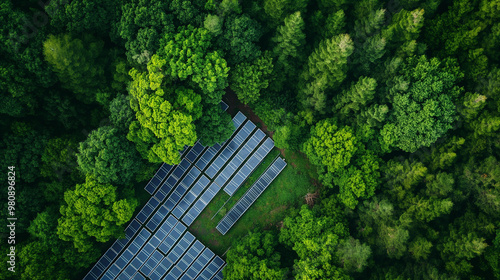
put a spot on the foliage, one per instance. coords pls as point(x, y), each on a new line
point(93, 211)
point(215, 126)
point(247, 80)
point(108, 156)
point(78, 63)
point(185, 54)
point(239, 39)
point(254, 257)
point(422, 102)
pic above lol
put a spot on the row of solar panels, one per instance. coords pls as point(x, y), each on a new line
point(164, 170)
point(251, 195)
point(170, 253)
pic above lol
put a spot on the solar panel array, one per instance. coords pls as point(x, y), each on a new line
point(157, 245)
point(251, 195)
point(202, 202)
point(249, 166)
point(169, 253)
point(160, 175)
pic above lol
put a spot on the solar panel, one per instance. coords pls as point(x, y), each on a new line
point(172, 180)
point(211, 269)
point(180, 248)
point(223, 106)
point(147, 210)
point(219, 275)
point(238, 159)
point(160, 175)
point(138, 276)
point(151, 263)
point(184, 150)
point(249, 166)
point(166, 227)
point(182, 188)
point(195, 152)
point(230, 149)
point(172, 238)
point(157, 218)
point(201, 203)
point(251, 195)
point(190, 197)
point(198, 265)
point(161, 269)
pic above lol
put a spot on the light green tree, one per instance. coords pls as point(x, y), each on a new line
point(93, 210)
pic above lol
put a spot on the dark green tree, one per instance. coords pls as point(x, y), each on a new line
point(109, 156)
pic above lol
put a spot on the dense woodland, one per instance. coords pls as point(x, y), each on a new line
point(396, 102)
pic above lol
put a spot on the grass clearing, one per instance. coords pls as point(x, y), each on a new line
point(288, 190)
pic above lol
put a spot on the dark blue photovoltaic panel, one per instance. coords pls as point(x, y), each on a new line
point(223, 106)
point(166, 227)
point(250, 165)
point(138, 276)
point(219, 275)
point(212, 151)
point(201, 203)
point(172, 180)
point(172, 238)
point(182, 188)
point(160, 175)
point(157, 218)
point(186, 148)
point(237, 160)
point(239, 119)
point(211, 269)
point(251, 195)
point(200, 263)
point(161, 269)
point(180, 248)
point(151, 263)
point(147, 210)
point(195, 152)
point(190, 197)
point(230, 149)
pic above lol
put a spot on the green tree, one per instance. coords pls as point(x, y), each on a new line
point(358, 95)
point(239, 39)
point(277, 10)
point(247, 80)
point(329, 146)
point(185, 54)
point(108, 156)
point(78, 64)
point(93, 210)
point(121, 115)
point(422, 103)
point(141, 25)
point(254, 257)
point(165, 118)
point(289, 40)
point(215, 126)
point(326, 68)
point(82, 16)
point(59, 158)
point(353, 255)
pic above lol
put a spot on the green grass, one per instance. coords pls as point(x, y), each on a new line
point(288, 190)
